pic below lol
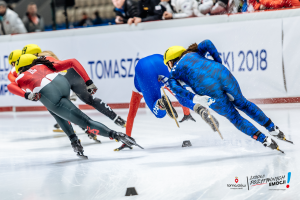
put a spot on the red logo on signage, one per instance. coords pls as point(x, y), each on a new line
point(236, 180)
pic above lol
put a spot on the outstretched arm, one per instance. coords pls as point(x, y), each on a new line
point(207, 46)
point(66, 64)
point(11, 77)
point(15, 89)
point(179, 90)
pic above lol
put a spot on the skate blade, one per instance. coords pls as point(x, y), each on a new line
point(117, 149)
point(138, 146)
point(82, 156)
point(58, 130)
point(288, 141)
point(98, 141)
point(279, 150)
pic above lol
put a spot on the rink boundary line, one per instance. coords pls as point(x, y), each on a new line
point(282, 100)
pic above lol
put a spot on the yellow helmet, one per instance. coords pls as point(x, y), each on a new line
point(172, 53)
point(31, 49)
point(14, 55)
point(24, 60)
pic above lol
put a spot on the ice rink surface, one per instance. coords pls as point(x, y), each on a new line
point(38, 164)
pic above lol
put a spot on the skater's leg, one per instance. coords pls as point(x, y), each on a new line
point(55, 96)
point(65, 126)
point(79, 87)
point(150, 88)
point(133, 108)
point(234, 93)
point(225, 108)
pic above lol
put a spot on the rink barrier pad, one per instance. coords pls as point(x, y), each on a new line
point(143, 105)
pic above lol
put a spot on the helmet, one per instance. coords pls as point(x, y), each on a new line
point(24, 60)
point(172, 53)
point(31, 49)
point(14, 55)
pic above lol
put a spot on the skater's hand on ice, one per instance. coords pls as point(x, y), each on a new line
point(91, 87)
point(205, 101)
point(32, 96)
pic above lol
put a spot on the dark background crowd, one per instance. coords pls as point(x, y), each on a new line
point(22, 16)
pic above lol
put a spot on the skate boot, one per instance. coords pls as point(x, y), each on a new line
point(279, 134)
point(92, 136)
point(187, 117)
point(76, 145)
point(57, 128)
point(123, 146)
point(122, 137)
point(202, 111)
point(268, 142)
point(120, 122)
point(163, 105)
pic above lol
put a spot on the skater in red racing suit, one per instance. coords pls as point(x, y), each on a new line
point(38, 80)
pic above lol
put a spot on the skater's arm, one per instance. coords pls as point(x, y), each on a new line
point(15, 89)
point(207, 46)
point(11, 77)
point(177, 89)
point(66, 64)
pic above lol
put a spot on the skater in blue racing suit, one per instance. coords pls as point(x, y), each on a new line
point(215, 87)
point(150, 76)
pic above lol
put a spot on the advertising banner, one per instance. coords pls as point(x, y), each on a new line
point(254, 57)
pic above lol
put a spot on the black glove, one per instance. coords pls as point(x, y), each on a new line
point(32, 96)
point(122, 137)
point(91, 88)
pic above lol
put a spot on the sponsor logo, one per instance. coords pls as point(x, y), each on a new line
point(259, 180)
point(236, 180)
point(288, 180)
point(236, 185)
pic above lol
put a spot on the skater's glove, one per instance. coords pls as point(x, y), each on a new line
point(91, 87)
point(205, 101)
point(164, 80)
point(122, 137)
point(32, 96)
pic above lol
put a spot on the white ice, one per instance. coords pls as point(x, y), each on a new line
point(37, 164)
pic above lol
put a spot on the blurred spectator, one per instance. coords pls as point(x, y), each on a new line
point(219, 8)
point(97, 20)
point(124, 10)
point(85, 21)
point(204, 7)
point(9, 21)
point(32, 21)
point(271, 4)
point(177, 8)
point(148, 10)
